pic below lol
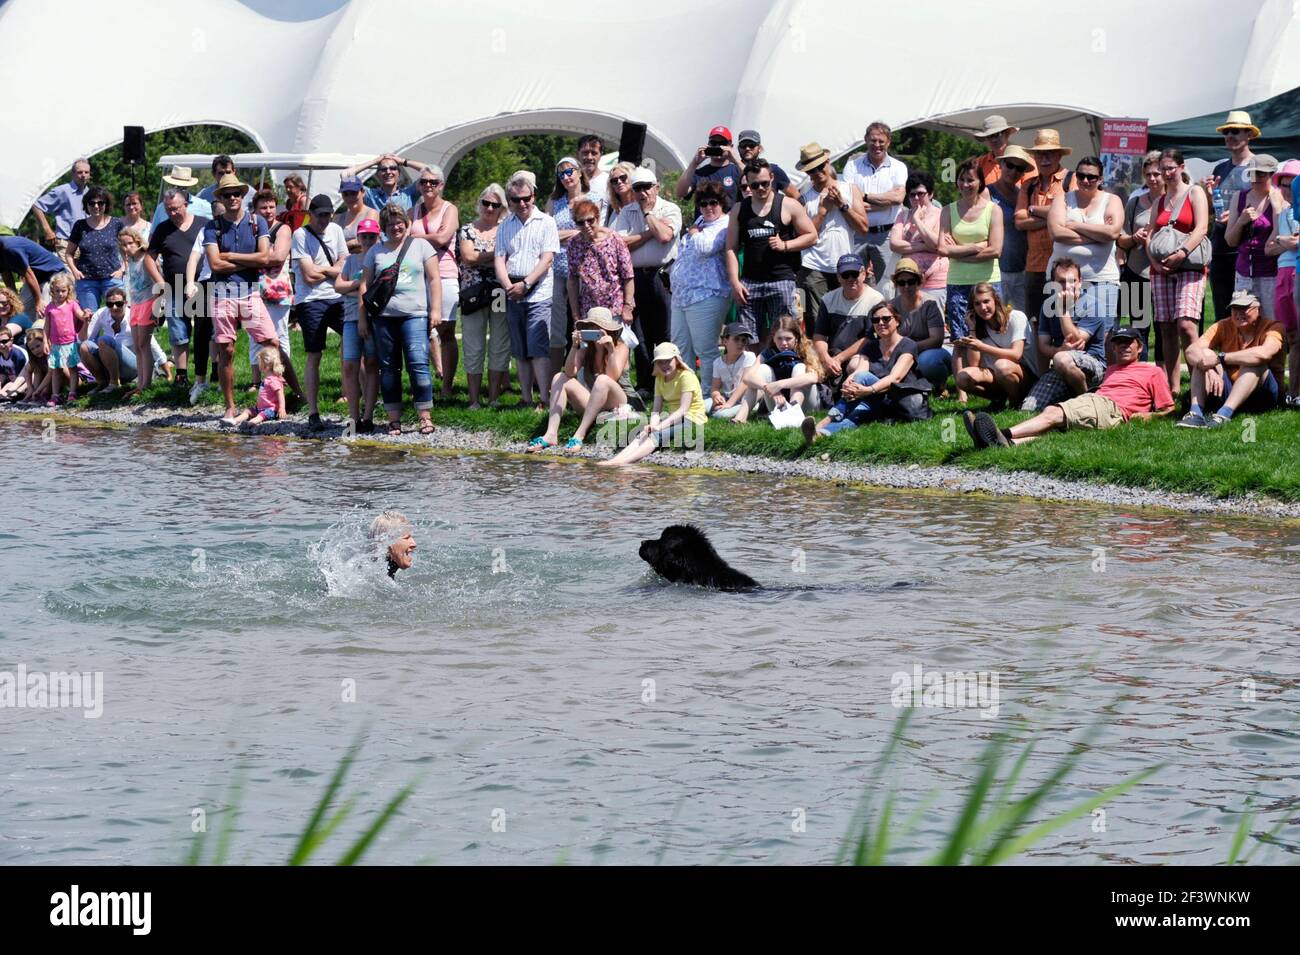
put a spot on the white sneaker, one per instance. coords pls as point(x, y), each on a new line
point(198, 389)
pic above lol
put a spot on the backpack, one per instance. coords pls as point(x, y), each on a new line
point(378, 295)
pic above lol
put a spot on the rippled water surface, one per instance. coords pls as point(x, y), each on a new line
point(216, 584)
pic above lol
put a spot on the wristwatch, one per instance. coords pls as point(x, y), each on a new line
point(1220, 356)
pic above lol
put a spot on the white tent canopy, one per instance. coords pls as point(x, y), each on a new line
point(433, 78)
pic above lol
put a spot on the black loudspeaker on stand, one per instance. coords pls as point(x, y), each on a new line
point(631, 144)
point(133, 148)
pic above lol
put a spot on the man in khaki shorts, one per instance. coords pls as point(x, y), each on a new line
point(1130, 389)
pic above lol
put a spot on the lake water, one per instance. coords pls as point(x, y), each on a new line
point(215, 583)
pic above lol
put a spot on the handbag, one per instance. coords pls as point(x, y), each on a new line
point(275, 285)
point(478, 294)
point(1168, 240)
point(378, 295)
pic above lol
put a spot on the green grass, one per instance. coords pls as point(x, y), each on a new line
point(1256, 453)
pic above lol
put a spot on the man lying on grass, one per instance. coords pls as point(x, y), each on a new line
point(1130, 389)
point(1236, 366)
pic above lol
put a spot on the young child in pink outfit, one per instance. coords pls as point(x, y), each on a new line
point(270, 397)
point(64, 319)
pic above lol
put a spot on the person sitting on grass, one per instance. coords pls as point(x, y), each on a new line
point(394, 539)
point(887, 384)
point(841, 322)
point(13, 359)
point(1073, 347)
point(270, 396)
point(1243, 350)
point(36, 377)
point(1131, 389)
point(788, 371)
point(1004, 369)
point(676, 386)
point(729, 396)
point(589, 379)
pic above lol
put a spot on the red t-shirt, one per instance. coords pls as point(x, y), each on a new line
point(1137, 388)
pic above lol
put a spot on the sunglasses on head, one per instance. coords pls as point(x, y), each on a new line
point(618, 179)
point(489, 204)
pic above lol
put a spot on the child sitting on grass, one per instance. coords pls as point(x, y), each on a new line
point(64, 320)
point(675, 384)
point(35, 376)
point(788, 370)
point(270, 397)
point(731, 397)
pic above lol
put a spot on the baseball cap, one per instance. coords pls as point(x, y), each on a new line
point(1242, 298)
point(321, 203)
point(351, 184)
point(749, 136)
point(1126, 331)
point(721, 132)
point(1261, 162)
point(736, 330)
point(368, 225)
point(849, 262)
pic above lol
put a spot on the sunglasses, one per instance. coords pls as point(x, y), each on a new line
point(489, 204)
point(761, 184)
point(708, 202)
point(6, 341)
point(96, 202)
point(118, 304)
point(818, 170)
point(1087, 177)
point(618, 179)
point(643, 186)
point(430, 183)
point(748, 145)
point(388, 169)
point(906, 283)
point(919, 194)
point(566, 173)
point(350, 192)
point(849, 276)
point(521, 199)
point(881, 319)
point(230, 195)
point(590, 220)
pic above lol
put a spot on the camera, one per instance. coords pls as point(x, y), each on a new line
point(713, 150)
point(591, 334)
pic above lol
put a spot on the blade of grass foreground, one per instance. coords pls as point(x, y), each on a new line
point(361, 845)
point(859, 820)
point(310, 838)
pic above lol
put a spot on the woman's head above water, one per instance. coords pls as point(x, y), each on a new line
point(393, 535)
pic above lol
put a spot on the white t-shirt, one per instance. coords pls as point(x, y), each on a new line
point(835, 238)
point(1017, 328)
point(630, 219)
point(730, 374)
point(306, 245)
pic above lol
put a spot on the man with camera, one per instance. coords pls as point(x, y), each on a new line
point(719, 160)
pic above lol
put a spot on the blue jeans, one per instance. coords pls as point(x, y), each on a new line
point(395, 336)
point(849, 413)
point(935, 364)
point(125, 358)
point(91, 292)
point(354, 346)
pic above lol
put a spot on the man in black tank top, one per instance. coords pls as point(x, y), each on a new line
point(771, 231)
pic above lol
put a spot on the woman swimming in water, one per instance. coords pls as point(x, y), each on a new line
point(393, 534)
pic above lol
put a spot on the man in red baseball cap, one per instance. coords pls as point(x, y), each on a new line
point(719, 161)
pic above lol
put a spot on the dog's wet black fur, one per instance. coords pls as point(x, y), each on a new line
point(683, 555)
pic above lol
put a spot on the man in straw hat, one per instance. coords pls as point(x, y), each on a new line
point(1230, 177)
point(995, 133)
point(1032, 208)
point(236, 244)
point(837, 212)
point(183, 178)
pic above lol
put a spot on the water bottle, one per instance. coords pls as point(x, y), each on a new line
point(1219, 204)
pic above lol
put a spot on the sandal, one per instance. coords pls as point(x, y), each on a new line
point(539, 444)
point(572, 444)
point(426, 429)
point(394, 429)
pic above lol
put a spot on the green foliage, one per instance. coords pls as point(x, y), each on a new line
point(939, 154)
point(112, 172)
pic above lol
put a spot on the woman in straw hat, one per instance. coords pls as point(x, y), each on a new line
point(677, 386)
point(589, 379)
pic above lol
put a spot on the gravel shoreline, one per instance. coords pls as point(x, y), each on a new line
point(1021, 484)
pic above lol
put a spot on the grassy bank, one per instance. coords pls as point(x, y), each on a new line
point(1259, 453)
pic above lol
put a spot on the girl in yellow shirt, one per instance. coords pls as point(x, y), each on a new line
point(675, 385)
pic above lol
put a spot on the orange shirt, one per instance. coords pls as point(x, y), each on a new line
point(1225, 336)
point(1040, 240)
point(992, 169)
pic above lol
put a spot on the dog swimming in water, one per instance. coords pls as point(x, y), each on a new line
point(683, 555)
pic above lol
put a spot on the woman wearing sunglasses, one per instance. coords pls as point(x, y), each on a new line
point(571, 184)
point(618, 191)
point(478, 286)
point(1084, 224)
point(92, 254)
point(436, 220)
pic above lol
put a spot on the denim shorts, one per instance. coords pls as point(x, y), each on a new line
point(268, 414)
point(354, 346)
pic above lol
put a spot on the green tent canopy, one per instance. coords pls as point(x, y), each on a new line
point(1278, 119)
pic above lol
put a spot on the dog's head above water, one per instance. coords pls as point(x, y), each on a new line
point(683, 554)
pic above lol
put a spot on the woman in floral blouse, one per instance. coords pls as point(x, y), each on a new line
point(701, 292)
point(600, 268)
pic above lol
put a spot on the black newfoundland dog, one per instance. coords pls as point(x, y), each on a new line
point(683, 554)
